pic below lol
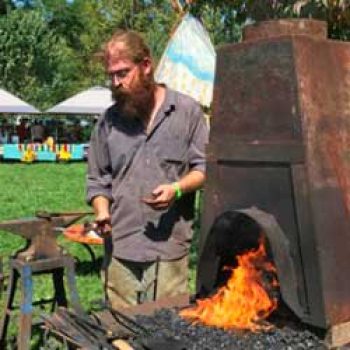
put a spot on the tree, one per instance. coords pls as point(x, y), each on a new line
point(335, 12)
point(35, 63)
point(5, 6)
point(86, 25)
point(51, 47)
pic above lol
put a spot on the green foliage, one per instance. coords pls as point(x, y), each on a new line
point(156, 20)
point(85, 25)
point(335, 12)
point(5, 6)
point(75, 32)
point(220, 22)
point(35, 63)
point(49, 48)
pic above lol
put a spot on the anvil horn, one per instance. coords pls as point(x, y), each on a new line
point(41, 232)
point(26, 228)
point(31, 227)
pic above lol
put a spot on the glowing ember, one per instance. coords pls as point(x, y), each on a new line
point(243, 302)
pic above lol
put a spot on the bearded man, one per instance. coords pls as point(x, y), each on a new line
point(146, 160)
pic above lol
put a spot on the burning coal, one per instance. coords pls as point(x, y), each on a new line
point(244, 301)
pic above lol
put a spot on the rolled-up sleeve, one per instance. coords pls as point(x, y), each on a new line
point(199, 135)
point(99, 178)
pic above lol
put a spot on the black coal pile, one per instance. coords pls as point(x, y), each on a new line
point(167, 324)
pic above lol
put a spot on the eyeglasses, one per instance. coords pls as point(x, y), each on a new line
point(120, 74)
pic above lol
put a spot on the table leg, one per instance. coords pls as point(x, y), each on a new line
point(25, 318)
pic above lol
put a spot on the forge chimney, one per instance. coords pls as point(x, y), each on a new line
point(279, 154)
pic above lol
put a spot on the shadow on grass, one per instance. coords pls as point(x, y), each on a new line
point(88, 267)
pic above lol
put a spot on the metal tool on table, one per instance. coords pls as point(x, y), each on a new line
point(42, 254)
point(79, 330)
point(87, 332)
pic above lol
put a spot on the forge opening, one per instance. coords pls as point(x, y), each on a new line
point(235, 235)
point(246, 284)
point(246, 265)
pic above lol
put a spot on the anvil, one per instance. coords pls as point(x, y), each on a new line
point(41, 232)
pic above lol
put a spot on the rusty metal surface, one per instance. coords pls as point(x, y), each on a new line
point(106, 329)
point(325, 102)
point(307, 240)
point(255, 95)
point(42, 255)
point(40, 233)
point(80, 330)
point(279, 245)
point(269, 29)
point(280, 141)
point(148, 308)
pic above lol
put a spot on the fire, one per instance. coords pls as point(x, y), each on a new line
point(243, 302)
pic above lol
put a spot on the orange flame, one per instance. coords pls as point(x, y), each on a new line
point(243, 302)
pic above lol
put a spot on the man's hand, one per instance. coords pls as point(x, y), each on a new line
point(102, 225)
point(161, 197)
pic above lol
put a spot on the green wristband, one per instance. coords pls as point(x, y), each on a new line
point(178, 192)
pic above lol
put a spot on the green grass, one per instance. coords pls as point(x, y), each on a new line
point(27, 188)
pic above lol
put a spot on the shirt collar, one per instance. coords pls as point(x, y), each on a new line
point(169, 104)
point(166, 109)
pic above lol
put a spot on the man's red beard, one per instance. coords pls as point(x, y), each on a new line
point(138, 102)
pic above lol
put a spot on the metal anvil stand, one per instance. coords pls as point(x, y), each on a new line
point(42, 255)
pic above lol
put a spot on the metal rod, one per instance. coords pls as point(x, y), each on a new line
point(156, 278)
point(118, 316)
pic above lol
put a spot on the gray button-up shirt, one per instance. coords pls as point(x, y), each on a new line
point(126, 164)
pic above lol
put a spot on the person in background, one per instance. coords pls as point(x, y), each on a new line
point(146, 160)
point(3, 136)
point(6, 132)
point(37, 132)
point(21, 130)
point(77, 132)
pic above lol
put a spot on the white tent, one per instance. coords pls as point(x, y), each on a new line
point(188, 62)
point(11, 104)
point(91, 101)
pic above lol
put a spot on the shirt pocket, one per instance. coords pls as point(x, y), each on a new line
point(174, 162)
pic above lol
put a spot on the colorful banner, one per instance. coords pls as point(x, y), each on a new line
point(188, 62)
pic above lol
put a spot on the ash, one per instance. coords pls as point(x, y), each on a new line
point(166, 323)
